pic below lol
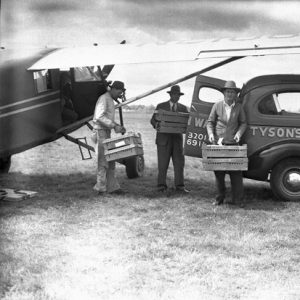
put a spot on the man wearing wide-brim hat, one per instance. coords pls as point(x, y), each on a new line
point(103, 123)
point(170, 145)
point(225, 125)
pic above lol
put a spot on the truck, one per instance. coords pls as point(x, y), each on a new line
point(272, 107)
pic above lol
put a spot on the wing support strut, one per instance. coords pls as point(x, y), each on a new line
point(214, 66)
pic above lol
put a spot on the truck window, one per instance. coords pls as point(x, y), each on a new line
point(289, 102)
point(210, 95)
point(267, 106)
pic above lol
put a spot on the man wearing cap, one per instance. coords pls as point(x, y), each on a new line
point(225, 125)
point(103, 123)
point(170, 144)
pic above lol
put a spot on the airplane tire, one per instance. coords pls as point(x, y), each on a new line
point(285, 180)
point(5, 163)
point(135, 166)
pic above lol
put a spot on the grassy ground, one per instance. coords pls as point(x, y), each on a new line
point(69, 243)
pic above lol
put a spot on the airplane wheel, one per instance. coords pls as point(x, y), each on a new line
point(285, 180)
point(135, 166)
point(5, 163)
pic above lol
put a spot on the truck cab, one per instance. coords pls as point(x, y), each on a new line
point(272, 107)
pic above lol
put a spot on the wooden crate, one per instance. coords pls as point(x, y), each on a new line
point(130, 138)
point(168, 127)
point(172, 117)
point(209, 151)
point(171, 122)
point(224, 158)
point(225, 164)
point(123, 152)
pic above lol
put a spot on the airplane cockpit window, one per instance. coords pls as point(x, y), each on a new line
point(287, 103)
point(210, 95)
point(42, 80)
point(87, 74)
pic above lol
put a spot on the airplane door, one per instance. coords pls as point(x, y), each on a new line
point(207, 91)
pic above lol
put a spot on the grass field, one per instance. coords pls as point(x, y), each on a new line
point(69, 243)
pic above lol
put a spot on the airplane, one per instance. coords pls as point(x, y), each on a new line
point(32, 85)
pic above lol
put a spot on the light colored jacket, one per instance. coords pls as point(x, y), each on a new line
point(104, 114)
point(220, 127)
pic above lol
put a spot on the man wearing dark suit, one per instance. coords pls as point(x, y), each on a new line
point(225, 125)
point(170, 144)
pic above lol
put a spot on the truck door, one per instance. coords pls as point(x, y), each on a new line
point(207, 91)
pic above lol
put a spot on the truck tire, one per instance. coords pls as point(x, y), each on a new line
point(135, 166)
point(5, 163)
point(285, 180)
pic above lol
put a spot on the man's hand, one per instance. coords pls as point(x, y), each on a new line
point(211, 138)
point(119, 129)
point(237, 137)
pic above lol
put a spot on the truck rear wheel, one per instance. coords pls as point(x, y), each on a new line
point(5, 163)
point(135, 166)
point(285, 180)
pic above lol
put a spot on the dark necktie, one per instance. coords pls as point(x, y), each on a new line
point(174, 107)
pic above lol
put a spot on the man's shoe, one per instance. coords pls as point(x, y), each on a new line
point(182, 190)
point(219, 201)
point(230, 203)
point(118, 192)
point(162, 189)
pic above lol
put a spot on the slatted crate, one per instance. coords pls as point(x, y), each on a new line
point(171, 122)
point(123, 146)
point(172, 117)
point(168, 127)
point(130, 138)
point(224, 158)
point(123, 152)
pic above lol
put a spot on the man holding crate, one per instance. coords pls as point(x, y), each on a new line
point(104, 122)
point(225, 126)
point(170, 144)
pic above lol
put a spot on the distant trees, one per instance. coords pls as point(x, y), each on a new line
point(139, 108)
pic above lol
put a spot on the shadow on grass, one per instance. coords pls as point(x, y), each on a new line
point(60, 190)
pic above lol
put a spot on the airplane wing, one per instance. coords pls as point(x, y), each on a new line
point(65, 58)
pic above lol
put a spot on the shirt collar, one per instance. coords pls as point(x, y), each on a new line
point(229, 106)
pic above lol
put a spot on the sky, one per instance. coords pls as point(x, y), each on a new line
point(60, 23)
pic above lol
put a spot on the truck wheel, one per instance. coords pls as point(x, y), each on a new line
point(135, 166)
point(5, 163)
point(285, 180)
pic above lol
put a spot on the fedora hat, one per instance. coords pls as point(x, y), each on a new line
point(175, 89)
point(119, 85)
point(230, 85)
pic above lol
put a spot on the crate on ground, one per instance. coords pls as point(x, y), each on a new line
point(171, 122)
point(224, 158)
point(124, 146)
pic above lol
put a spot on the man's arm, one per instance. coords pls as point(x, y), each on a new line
point(211, 123)
point(100, 115)
point(153, 120)
point(242, 123)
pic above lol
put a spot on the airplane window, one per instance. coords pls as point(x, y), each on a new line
point(211, 95)
point(42, 80)
point(87, 74)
